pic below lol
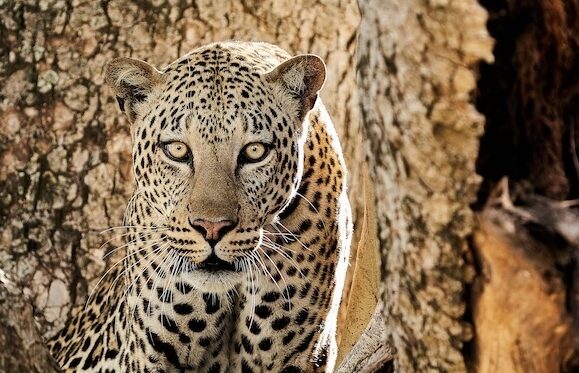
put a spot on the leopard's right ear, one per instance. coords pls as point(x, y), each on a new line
point(132, 81)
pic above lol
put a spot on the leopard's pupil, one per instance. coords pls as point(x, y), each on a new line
point(255, 151)
point(177, 150)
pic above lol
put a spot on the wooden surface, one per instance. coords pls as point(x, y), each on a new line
point(522, 324)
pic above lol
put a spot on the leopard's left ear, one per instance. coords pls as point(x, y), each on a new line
point(302, 77)
point(132, 81)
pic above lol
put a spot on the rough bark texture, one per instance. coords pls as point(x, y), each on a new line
point(22, 348)
point(65, 165)
point(416, 76)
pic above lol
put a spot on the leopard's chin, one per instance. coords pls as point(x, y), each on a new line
point(214, 281)
point(212, 275)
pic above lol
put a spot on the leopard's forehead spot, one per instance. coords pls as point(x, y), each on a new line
point(218, 91)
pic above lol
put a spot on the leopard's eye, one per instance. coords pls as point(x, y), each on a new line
point(177, 151)
point(254, 152)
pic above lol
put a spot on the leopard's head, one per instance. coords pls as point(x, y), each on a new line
point(218, 141)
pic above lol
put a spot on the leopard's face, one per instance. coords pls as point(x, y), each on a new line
point(218, 142)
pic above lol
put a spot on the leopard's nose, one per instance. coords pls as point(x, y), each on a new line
point(213, 231)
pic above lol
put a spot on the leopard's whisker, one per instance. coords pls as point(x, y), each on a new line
point(167, 270)
point(130, 265)
point(284, 293)
point(169, 257)
point(315, 209)
point(283, 235)
point(129, 227)
point(154, 285)
point(176, 271)
point(271, 242)
point(125, 235)
point(293, 235)
point(104, 276)
point(128, 244)
point(164, 269)
point(285, 255)
point(230, 297)
point(253, 291)
point(246, 269)
point(278, 234)
point(266, 271)
point(162, 250)
point(159, 252)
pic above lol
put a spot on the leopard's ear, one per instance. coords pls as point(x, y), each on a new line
point(302, 77)
point(132, 81)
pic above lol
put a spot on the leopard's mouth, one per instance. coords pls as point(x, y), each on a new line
point(214, 264)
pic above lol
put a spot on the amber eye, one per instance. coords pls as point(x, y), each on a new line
point(253, 152)
point(177, 151)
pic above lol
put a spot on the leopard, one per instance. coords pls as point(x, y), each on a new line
point(237, 235)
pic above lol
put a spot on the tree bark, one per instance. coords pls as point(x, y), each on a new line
point(22, 348)
point(415, 71)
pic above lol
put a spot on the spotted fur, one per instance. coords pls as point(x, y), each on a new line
point(265, 296)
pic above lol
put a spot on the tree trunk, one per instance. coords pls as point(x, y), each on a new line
point(415, 71)
point(22, 348)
